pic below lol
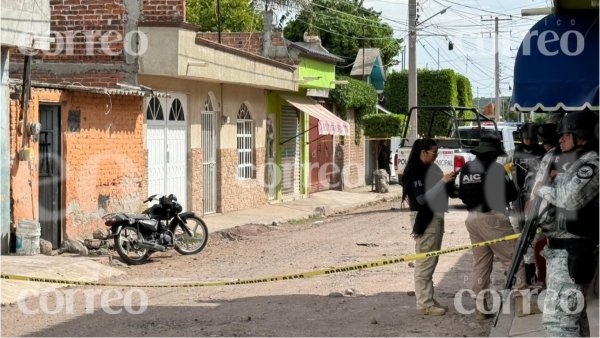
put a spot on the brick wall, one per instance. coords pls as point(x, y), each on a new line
point(104, 160)
point(93, 33)
point(85, 27)
point(163, 10)
point(247, 41)
point(350, 157)
point(235, 194)
point(90, 78)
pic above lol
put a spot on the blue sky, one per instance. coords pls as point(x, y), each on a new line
point(473, 38)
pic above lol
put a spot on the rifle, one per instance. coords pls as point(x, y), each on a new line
point(527, 235)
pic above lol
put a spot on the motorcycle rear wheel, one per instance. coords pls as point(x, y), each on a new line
point(189, 245)
point(127, 246)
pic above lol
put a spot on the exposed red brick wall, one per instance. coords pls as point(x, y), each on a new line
point(247, 41)
point(235, 194)
point(73, 20)
point(90, 78)
point(163, 10)
point(106, 157)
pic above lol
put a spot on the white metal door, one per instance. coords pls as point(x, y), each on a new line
point(156, 124)
point(167, 146)
point(209, 160)
point(290, 152)
point(176, 163)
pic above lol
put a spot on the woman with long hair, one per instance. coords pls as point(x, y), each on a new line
point(427, 189)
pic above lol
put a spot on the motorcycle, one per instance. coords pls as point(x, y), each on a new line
point(161, 227)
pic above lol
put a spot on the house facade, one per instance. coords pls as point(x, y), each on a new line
point(308, 139)
point(136, 105)
point(87, 159)
point(226, 93)
point(23, 24)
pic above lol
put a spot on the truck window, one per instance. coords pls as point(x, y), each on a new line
point(470, 136)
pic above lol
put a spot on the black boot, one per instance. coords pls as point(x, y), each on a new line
point(530, 274)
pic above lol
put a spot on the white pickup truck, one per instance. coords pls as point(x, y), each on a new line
point(454, 149)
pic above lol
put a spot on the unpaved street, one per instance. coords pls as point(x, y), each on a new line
point(372, 302)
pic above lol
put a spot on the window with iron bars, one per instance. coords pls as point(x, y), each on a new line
point(245, 143)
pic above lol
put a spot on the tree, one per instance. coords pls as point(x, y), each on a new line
point(236, 15)
point(344, 26)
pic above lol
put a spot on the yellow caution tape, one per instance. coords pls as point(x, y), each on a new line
point(302, 275)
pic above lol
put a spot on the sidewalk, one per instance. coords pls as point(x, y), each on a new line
point(322, 203)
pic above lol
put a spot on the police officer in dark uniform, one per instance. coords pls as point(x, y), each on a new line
point(571, 253)
point(487, 189)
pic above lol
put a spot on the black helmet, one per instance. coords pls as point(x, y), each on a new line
point(547, 132)
point(583, 124)
point(528, 130)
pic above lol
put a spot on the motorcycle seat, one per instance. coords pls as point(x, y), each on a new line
point(139, 217)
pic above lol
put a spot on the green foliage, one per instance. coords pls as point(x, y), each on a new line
point(383, 125)
point(465, 96)
point(357, 95)
point(434, 88)
point(236, 15)
point(342, 34)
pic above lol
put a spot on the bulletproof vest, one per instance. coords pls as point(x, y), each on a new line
point(582, 222)
point(472, 177)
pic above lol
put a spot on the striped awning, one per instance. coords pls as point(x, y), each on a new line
point(329, 123)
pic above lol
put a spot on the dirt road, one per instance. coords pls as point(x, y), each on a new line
point(372, 302)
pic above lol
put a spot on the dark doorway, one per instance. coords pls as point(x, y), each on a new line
point(50, 174)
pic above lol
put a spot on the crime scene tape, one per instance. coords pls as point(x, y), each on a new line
point(302, 275)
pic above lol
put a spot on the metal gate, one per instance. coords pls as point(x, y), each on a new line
point(209, 160)
point(290, 152)
point(50, 174)
point(166, 139)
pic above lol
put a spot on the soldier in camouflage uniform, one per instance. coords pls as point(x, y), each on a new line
point(573, 233)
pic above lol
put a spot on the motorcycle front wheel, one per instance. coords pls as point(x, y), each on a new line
point(128, 248)
point(189, 245)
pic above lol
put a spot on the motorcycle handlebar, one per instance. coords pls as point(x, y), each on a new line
point(171, 197)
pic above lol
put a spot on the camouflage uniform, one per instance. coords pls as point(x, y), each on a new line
point(574, 188)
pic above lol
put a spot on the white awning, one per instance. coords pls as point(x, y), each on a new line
point(329, 123)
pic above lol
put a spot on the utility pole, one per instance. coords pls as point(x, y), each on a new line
point(498, 104)
point(438, 58)
point(412, 68)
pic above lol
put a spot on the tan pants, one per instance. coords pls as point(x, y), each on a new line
point(431, 240)
point(485, 227)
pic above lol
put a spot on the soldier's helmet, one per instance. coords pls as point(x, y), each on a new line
point(583, 124)
point(529, 130)
point(547, 132)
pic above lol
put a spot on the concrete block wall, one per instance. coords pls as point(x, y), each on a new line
point(105, 159)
